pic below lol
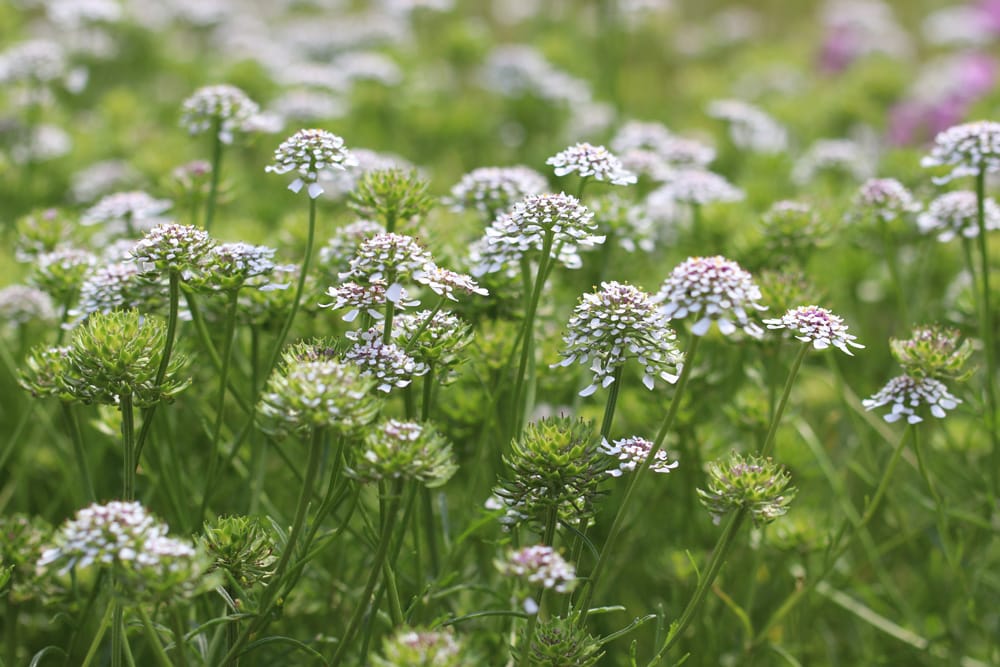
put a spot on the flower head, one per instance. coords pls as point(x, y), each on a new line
point(445, 283)
point(956, 214)
point(812, 324)
point(243, 547)
point(932, 351)
point(793, 226)
point(309, 153)
point(968, 149)
point(758, 485)
point(886, 198)
point(336, 255)
point(427, 648)
point(700, 187)
point(750, 128)
point(170, 247)
point(230, 266)
point(591, 161)
point(21, 303)
point(436, 340)
point(388, 256)
point(358, 298)
point(615, 323)
point(910, 396)
point(391, 194)
point(33, 61)
point(539, 565)
point(388, 363)
point(627, 223)
point(833, 155)
point(714, 289)
point(124, 537)
point(559, 641)
point(61, 272)
point(110, 287)
point(313, 394)
point(404, 450)
point(222, 108)
point(632, 452)
point(493, 190)
point(126, 212)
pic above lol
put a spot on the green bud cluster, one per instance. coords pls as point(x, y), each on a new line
point(933, 351)
point(404, 450)
point(758, 485)
point(391, 194)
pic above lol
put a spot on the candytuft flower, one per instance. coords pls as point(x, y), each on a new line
point(404, 450)
point(229, 266)
point(126, 212)
point(445, 283)
point(632, 452)
point(909, 396)
point(615, 323)
point(812, 324)
point(170, 247)
point(886, 198)
point(309, 153)
point(968, 149)
point(418, 646)
point(932, 351)
point(714, 289)
point(700, 187)
point(539, 565)
point(956, 214)
point(591, 161)
point(21, 303)
point(224, 109)
point(388, 363)
point(750, 128)
point(493, 190)
point(758, 485)
point(388, 257)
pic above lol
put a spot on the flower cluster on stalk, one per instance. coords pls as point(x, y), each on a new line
point(632, 452)
point(968, 150)
point(493, 190)
point(387, 363)
point(712, 289)
point(956, 215)
point(126, 212)
point(758, 485)
point(419, 646)
point(405, 450)
point(539, 565)
point(933, 351)
point(911, 397)
point(436, 341)
point(885, 198)
point(223, 108)
point(170, 247)
point(125, 538)
point(818, 326)
point(617, 322)
point(308, 154)
point(590, 161)
point(750, 128)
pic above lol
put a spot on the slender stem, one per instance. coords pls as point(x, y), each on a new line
point(892, 259)
point(884, 482)
point(258, 451)
point(986, 327)
point(76, 435)
point(609, 407)
point(180, 644)
point(619, 521)
point(161, 371)
point(527, 346)
point(364, 604)
point(312, 469)
point(220, 405)
point(942, 516)
point(390, 312)
point(286, 327)
point(704, 584)
point(10, 630)
point(128, 446)
point(768, 445)
point(95, 644)
point(213, 188)
point(428, 393)
point(117, 629)
point(154, 639)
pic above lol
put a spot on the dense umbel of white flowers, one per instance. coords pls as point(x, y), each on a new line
point(909, 396)
point(615, 323)
point(39, 60)
point(968, 149)
point(388, 256)
point(387, 363)
point(493, 190)
point(310, 153)
point(511, 237)
point(713, 289)
point(540, 565)
point(591, 161)
point(632, 452)
point(222, 107)
point(698, 186)
point(750, 128)
point(445, 282)
point(170, 247)
point(886, 198)
point(357, 298)
point(956, 214)
point(338, 251)
point(812, 324)
point(116, 534)
point(136, 207)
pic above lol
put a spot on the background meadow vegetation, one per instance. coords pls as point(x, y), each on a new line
point(444, 87)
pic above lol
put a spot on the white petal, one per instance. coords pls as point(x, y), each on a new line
point(701, 327)
point(315, 190)
point(296, 185)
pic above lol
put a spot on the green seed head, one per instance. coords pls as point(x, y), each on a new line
point(759, 485)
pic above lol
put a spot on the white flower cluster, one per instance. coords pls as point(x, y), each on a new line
point(20, 304)
point(653, 150)
point(509, 238)
point(629, 224)
point(39, 60)
point(750, 128)
point(231, 265)
point(613, 324)
point(493, 190)
point(110, 287)
point(968, 149)
point(714, 289)
point(700, 187)
point(632, 452)
point(310, 153)
point(445, 282)
point(812, 324)
point(367, 298)
point(591, 161)
point(908, 395)
point(839, 155)
point(223, 108)
point(340, 248)
point(116, 534)
point(956, 214)
point(387, 363)
point(122, 211)
point(540, 565)
point(885, 197)
point(170, 247)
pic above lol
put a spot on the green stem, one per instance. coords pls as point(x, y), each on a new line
point(106, 621)
point(620, 516)
point(174, 291)
point(884, 482)
point(942, 516)
point(213, 189)
point(527, 338)
point(704, 584)
point(154, 639)
point(128, 446)
point(986, 327)
point(609, 407)
point(286, 327)
point(892, 259)
point(768, 445)
point(117, 630)
point(76, 435)
point(390, 312)
point(385, 540)
point(10, 630)
point(227, 354)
